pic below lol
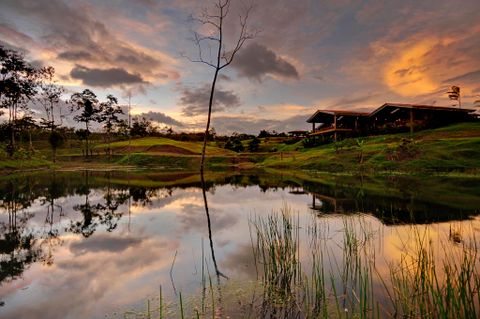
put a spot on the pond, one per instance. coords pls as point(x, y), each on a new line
point(94, 244)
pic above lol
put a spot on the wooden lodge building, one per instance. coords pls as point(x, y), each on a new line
point(388, 118)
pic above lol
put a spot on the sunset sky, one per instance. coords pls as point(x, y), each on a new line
point(308, 55)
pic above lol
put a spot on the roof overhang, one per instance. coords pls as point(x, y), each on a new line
point(333, 113)
point(421, 107)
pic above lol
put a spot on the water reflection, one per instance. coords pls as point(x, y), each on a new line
point(108, 238)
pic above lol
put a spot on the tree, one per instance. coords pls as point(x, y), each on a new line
point(234, 144)
point(140, 127)
point(49, 98)
point(109, 116)
point(264, 133)
point(254, 144)
point(18, 83)
point(87, 102)
point(224, 56)
point(122, 128)
point(27, 124)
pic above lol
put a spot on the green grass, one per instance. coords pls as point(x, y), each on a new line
point(148, 144)
point(15, 164)
point(449, 149)
point(453, 148)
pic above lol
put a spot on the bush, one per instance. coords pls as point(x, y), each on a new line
point(234, 145)
point(254, 145)
point(56, 139)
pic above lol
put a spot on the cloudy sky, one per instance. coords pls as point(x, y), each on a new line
point(337, 54)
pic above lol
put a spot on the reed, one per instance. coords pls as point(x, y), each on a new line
point(420, 285)
point(337, 274)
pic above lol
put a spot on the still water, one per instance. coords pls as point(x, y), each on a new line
point(95, 244)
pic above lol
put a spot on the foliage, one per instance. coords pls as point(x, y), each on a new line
point(234, 144)
point(140, 127)
point(18, 85)
point(86, 102)
point(110, 112)
point(254, 144)
point(265, 133)
point(49, 97)
point(56, 139)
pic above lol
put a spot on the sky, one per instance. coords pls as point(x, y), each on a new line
point(306, 55)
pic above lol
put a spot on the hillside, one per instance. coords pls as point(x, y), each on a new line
point(453, 148)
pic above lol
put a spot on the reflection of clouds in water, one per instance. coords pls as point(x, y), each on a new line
point(241, 262)
point(193, 217)
point(104, 242)
point(93, 276)
point(95, 280)
point(161, 200)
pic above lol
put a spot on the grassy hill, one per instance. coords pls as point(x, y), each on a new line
point(454, 148)
point(160, 145)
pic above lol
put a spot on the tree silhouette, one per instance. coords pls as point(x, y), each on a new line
point(18, 85)
point(224, 56)
point(97, 214)
point(17, 245)
point(87, 103)
point(49, 98)
point(109, 116)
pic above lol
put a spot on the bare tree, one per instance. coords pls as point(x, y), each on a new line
point(224, 57)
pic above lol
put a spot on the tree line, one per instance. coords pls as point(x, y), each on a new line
point(24, 88)
point(23, 85)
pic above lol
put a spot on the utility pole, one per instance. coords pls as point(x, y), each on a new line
point(129, 125)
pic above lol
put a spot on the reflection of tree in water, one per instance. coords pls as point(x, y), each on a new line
point(218, 273)
point(50, 235)
point(100, 213)
point(17, 244)
point(141, 195)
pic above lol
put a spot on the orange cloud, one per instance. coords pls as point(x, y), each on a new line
point(407, 74)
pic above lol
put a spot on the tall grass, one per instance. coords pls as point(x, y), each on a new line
point(310, 271)
point(422, 284)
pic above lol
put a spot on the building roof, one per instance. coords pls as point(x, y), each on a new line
point(421, 107)
point(336, 112)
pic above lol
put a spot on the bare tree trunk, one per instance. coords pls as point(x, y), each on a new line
point(86, 139)
point(212, 91)
point(224, 58)
point(205, 138)
point(30, 141)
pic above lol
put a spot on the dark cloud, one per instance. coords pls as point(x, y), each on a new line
point(195, 101)
point(8, 35)
point(76, 35)
point(256, 61)
point(353, 102)
point(470, 77)
point(76, 55)
point(105, 77)
point(104, 243)
point(160, 118)
point(9, 46)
